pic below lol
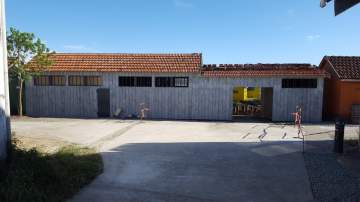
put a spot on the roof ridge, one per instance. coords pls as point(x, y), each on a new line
point(263, 64)
point(165, 54)
point(345, 56)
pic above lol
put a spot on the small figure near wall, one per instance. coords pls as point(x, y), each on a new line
point(143, 110)
point(118, 112)
point(297, 116)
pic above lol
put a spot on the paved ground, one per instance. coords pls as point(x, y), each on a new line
point(333, 177)
point(186, 161)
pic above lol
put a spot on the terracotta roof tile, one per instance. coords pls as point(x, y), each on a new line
point(126, 62)
point(171, 63)
point(347, 67)
point(262, 70)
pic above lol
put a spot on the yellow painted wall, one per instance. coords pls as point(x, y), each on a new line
point(243, 94)
point(239, 93)
point(254, 94)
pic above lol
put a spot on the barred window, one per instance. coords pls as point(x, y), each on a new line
point(58, 80)
point(126, 81)
point(42, 81)
point(93, 81)
point(299, 83)
point(172, 81)
point(85, 81)
point(181, 81)
point(164, 82)
point(76, 81)
point(49, 81)
point(130, 81)
point(143, 81)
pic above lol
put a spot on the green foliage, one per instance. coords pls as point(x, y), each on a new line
point(33, 176)
point(22, 47)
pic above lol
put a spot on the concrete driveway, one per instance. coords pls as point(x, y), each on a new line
point(186, 161)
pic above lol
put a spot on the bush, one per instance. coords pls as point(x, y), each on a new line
point(35, 176)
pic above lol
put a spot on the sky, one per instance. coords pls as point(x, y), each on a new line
point(226, 31)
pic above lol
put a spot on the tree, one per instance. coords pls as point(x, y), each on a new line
point(23, 47)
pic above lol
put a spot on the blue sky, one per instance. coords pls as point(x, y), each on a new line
point(226, 31)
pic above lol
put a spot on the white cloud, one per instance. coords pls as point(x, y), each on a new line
point(78, 48)
point(312, 37)
point(183, 4)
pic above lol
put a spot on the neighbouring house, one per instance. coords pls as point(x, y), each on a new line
point(342, 88)
point(173, 86)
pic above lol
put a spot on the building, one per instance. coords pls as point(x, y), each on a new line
point(172, 86)
point(246, 94)
point(342, 88)
point(5, 131)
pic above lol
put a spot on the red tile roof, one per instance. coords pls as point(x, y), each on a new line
point(66, 62)
point(172, 63)
point(263, 70)
point(346, 67)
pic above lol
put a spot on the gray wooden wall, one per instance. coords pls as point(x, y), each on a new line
point(205, 99)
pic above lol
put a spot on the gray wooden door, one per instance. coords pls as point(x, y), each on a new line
point(103, 101)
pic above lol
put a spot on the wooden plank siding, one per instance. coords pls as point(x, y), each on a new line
point(204, 99)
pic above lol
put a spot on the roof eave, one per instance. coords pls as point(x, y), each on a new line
point(350, 80)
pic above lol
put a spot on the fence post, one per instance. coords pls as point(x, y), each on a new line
point(359, 137)
point(339, 137)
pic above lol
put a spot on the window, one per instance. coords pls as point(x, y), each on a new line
point(85, 81)
point(172, 82)
point(57, 81)
point(126, 81)
point(181, 81)
point(93, 81)
point(164, 82)
point(299, 83)
point(130, 81)
point(143, 81)
point(41, 81)
point(49, 81)
point(76, 81)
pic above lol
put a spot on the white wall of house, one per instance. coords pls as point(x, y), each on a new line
point(4, 88)
point(204, 99)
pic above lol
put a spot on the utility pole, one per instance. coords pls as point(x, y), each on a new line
point(5, 133)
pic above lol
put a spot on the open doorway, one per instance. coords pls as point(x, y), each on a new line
point(252, 103)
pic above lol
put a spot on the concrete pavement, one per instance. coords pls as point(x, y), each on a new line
point(187, 161)
point(212, 171)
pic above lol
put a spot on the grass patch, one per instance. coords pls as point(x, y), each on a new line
point(35, 176)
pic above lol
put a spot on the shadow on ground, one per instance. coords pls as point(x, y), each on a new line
point(330, 180)
point(204, 171)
